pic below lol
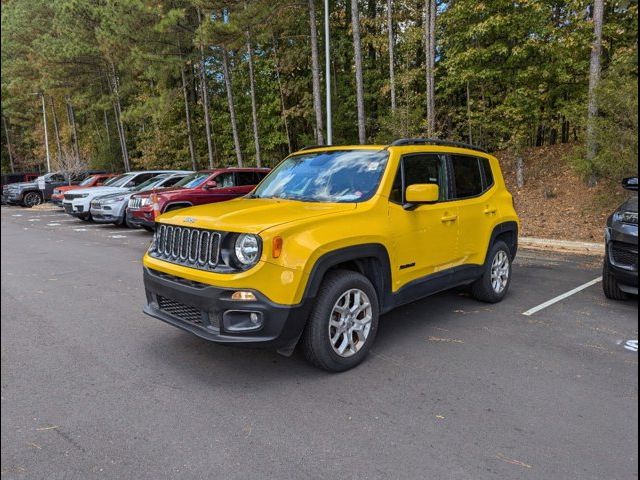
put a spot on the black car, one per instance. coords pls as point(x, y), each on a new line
point(620, 273)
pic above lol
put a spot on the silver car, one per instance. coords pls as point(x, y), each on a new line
point(112, 208)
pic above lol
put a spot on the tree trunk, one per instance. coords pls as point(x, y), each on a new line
point(282, 104)
point(357, 49)
point(392, 78)
point(187, 115)
point(315, 72)
point(205, 98)
point(470, 140)
point(594, 80)
point(254, 109)
point(232, 110)
point(6, 134)
point(55, 128)
point(74, 133)
point(112, 80)
point(519, 171)
point(430, 47)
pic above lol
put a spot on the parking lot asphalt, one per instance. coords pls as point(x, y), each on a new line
point(454, 389)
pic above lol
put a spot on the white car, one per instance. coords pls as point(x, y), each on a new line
point(112, 208)
point(78, 202)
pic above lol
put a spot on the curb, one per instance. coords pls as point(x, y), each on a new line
point(566, 246)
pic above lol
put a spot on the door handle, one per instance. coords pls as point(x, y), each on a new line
point(449, 218)
point(490, 210)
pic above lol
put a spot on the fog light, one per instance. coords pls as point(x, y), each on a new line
point(243, 296)
point(241, 321)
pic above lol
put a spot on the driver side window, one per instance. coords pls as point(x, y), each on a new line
point(224, 180)
point(419, 168)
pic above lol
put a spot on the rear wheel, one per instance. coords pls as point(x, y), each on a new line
point(343, 323)
point(496, 278)
point(610, 285)
point(31, 199)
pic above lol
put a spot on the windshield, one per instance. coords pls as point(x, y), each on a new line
point(87, 181)
point(109, 181)
point(121, 180)
point(149, 184)
point(193, 180)
point(334, 176)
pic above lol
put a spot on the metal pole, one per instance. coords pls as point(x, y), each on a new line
point(327, 72)
point(46, 135)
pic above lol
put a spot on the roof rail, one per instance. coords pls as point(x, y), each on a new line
point(434, 141)
point(311, 147)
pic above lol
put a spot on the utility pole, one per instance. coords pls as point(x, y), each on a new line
point(327, 71)
point(46, 135)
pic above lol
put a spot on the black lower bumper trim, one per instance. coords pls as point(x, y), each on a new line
point(281, 328)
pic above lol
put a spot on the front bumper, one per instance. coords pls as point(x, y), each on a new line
point(622, 258)
point(57, 200)
point(106, 214)
point(141, 217)
point(13, 197)
point(208, 311)
point(74, 210)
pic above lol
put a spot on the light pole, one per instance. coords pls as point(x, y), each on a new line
point(327, 71)
point(46, 135)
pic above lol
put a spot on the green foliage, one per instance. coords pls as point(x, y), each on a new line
point(524, 66)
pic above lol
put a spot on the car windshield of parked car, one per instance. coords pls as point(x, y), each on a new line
point(122, 180)
point(87, 181)
point(193, 180)
point(109, 181)
point(340, 176)
point(149, 184)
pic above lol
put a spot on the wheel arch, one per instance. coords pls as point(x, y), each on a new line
point(508, 233)
point(371, 260)
point(179, 204)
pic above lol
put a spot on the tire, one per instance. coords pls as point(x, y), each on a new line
point(494, 283)
point(86, 218)
point(31, 199)
point(341, 290)
point(127, 223)
point(610, 285)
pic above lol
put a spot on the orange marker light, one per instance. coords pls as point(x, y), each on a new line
point(276, 249)
point(156, 206)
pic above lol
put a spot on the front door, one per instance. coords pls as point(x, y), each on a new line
point(425, 239)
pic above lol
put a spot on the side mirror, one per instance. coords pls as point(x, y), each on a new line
point(630, 183)
point(421, 193)
point(211, 184)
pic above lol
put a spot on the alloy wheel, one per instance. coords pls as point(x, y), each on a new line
point(350, 322)
point(500, 271)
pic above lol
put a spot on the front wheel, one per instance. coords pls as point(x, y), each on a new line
point(496, 277)
point(610, 285)
point(31, 199)
point(343, 323)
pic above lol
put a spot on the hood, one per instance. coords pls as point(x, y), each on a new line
point(250, 215)
point(22, 184)
point(124, 194)
point(95, 191)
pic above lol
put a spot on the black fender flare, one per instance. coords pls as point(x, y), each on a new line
point(372, 259)
point(505, 227)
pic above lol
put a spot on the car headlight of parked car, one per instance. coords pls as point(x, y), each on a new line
point(56, 191)
point(626, 217)
point(82, 195)
point(247, 249)
point(145, 201)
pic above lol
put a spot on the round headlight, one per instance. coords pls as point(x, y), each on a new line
point(247, 249)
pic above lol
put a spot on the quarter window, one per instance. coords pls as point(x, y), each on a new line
point(467, 176)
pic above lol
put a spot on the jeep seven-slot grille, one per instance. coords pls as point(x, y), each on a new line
point(135, 202)
point(624, 255)
point(178, 309)
point(186, 246)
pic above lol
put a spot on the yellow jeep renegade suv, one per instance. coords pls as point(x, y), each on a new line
point(332, 238)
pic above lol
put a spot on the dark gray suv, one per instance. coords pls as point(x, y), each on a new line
point(620, 273)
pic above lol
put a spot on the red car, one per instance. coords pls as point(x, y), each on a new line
point(204, 186)
point(93, 181)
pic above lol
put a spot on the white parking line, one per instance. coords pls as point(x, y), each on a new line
point(53, 224)
point(561, 297)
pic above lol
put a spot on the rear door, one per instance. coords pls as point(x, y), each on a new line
point(473, 193)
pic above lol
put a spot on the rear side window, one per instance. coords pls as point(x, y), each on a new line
point(246, 178)
point(143, 177)
point(467, 175)
point(171, 181)
point(419, 168)
point(487, 173)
